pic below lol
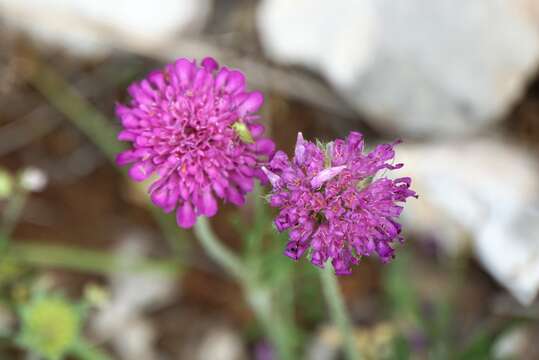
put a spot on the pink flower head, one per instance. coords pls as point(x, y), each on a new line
point(195, 128)
point(333, 203)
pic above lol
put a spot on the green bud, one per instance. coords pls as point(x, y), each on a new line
point(243, 132)
point(50, 326)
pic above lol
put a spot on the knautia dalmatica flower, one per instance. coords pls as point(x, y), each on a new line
point(335, 202)
point(195, 128)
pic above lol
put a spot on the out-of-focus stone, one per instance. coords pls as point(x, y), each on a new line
point(511, 344)
point(121, 320)
point(484, 194)
point(412, 66)
point(33, 179)
point(92, 27)
point(374, 342)
point(222, 343)
point(334, 37)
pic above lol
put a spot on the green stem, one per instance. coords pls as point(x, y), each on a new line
point(260, 300)
point(92, 261)
point(258, 297)
point(217, 251)
point(253, 241)
point(11, 216)
point(76, 108)
point(338, 312)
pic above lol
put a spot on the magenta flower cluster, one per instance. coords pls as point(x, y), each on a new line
point(195, 133)
point(194, 128)
point(335, 204)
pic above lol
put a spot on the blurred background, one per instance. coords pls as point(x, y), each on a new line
point(456, 80)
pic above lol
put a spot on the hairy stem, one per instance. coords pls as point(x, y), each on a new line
point(258, 297)
point(217, 251)
point(338, 312)
point(84, 260)
point(11, 216)
point(260, 300)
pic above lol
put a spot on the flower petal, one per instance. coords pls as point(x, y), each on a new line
point(209, 64)
point(209, 204)
point(326, 175)
point(251, 104)
point(235, 82)
point(299, 151)
point(265, 146)
point(185, 215)
point(274, 179)
point(141, 170)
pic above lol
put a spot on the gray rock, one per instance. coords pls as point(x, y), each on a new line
point(415, 67)
point(93, 28)
point(480, 194)
point(122, 320)
point(221, 343)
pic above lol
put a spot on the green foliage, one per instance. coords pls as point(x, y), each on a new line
point(440, 325)
point(480, 345)
point(403, 300)
point(401, 349)
point(479, 349)
point(6, 184)
point(10, 269)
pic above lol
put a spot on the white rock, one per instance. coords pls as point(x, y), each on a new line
point(221, 343)
point(90, 27)
point(485, 191)
point(122, 320)
point(511, 344)
point(329, 36)
point(412, 66)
